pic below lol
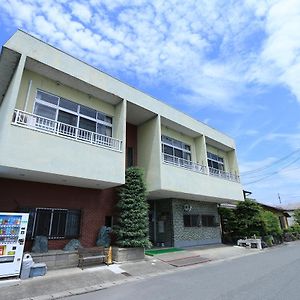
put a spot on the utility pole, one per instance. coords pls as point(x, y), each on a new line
point(279, 198)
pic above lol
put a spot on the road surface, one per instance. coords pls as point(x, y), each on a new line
point(272, 274)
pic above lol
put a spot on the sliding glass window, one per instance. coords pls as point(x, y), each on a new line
point(68, 112)
point(175, 151)
point(216, 162)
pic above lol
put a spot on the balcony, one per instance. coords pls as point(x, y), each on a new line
point(224, 175)
point(42, 124)
point(183, 163)
point(195, 167)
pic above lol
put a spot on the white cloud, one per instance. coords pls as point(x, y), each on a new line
point(291, 139)
point(203, 48)
point(279, 60)
point(251, 132)
point(81, 11)
point(291, 175)
point(250, 166)
point(268, 177)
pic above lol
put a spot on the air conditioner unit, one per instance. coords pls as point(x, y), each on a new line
point(187, 207)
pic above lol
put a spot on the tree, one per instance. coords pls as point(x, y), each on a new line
point(249, 221)
point(297, 216)
point(133, 227)
point(272, 224)
point(228, 222)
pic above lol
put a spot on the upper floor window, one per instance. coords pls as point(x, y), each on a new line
point(174, 148)
point(215, 161)
point(68, 112)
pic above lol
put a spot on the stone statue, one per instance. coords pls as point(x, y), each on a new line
point(103, 238)
point(40, 244)
point(72, 245)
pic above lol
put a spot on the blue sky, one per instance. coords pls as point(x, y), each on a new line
point(234, 65)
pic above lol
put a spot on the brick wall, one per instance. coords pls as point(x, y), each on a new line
point(94, 204)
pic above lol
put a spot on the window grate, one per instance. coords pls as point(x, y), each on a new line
point(55, 223)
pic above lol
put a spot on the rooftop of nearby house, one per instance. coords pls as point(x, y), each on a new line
point(291, 206)
point(275, 209)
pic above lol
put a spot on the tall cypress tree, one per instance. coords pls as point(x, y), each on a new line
point(133, 227)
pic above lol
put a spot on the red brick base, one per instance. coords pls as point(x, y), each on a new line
point(94, 204)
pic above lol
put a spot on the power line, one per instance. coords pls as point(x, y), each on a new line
point(284, 167)
point(271, 164)
point(274, 173)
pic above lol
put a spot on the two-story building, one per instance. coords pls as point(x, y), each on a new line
point(67, 133)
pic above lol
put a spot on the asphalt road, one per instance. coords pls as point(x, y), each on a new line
point(272, 274)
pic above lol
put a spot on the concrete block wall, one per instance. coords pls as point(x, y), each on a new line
point(57, 259)
point(128, 254)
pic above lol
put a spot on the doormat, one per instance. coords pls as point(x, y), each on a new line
point(187, 261)
point(161, 251)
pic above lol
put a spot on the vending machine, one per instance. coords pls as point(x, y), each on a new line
point(13, 228)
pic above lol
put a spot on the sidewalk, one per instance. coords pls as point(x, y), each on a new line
point(58, 284)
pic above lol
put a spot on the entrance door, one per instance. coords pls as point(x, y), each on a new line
point(160, 223)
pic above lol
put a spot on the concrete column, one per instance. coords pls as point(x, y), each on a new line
point(10, 99)
point(200, 150)
point(233, 164)
point(149, 149)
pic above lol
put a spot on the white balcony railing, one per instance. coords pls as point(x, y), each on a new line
point(183, 163)
point(223, 174)
point(35, 122)
point(187, 164)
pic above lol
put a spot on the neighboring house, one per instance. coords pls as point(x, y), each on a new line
point(282, 215)
point(67, 133)
point(290, 208)
point(291, 220)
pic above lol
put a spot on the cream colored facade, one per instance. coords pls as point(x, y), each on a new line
point(33, 154)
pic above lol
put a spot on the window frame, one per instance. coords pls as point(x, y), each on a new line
point(176, 146)
point(215, 161)
point(76, 113)
point(191, 221)
point(205, 222)
point(34, 217)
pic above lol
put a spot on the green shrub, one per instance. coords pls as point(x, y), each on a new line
point(272, 225)
point(297, 216)
point(269, 240)
point(249, 220)
point(133, 227)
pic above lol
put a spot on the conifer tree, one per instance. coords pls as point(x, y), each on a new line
point(133, 227)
